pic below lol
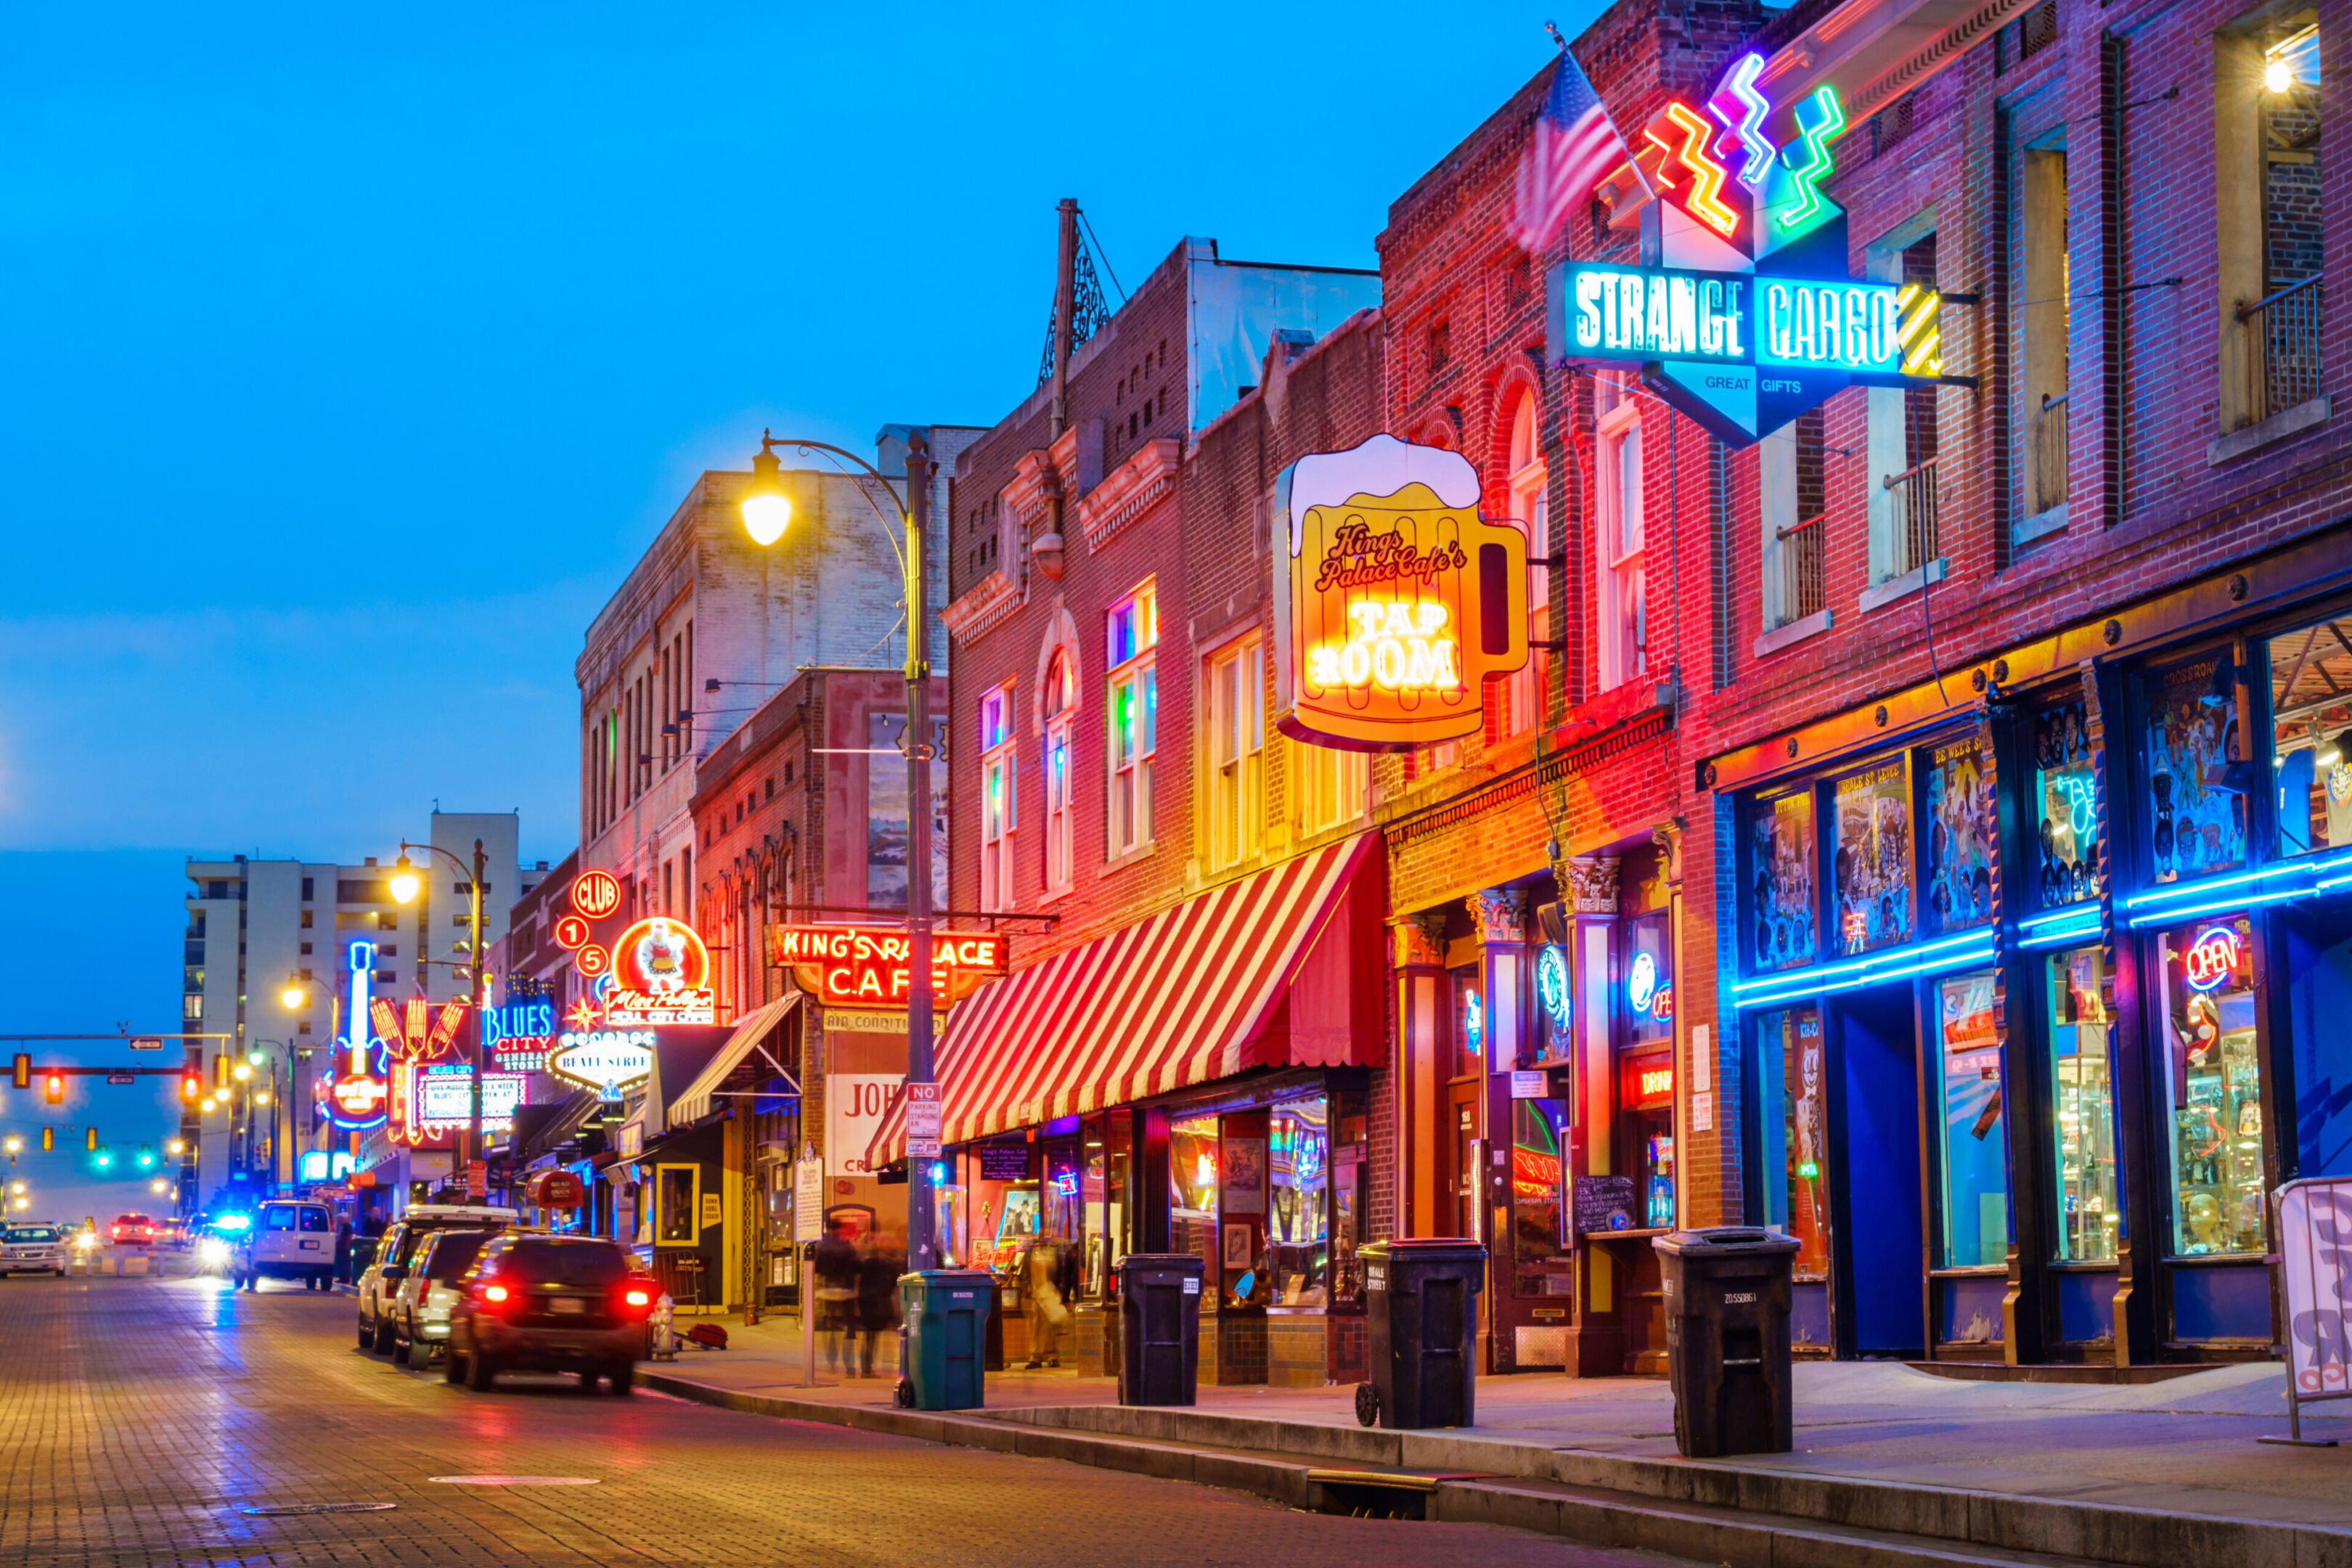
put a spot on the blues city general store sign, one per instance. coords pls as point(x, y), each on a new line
point(1741, 312)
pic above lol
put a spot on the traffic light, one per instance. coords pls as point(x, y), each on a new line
point(23, 1069)
point(56, 1089)
point(90, 1139)
point(48, 1140)
point(220, 1073)
point(105, 1158)
point(191, 1084)
point(146, 1157)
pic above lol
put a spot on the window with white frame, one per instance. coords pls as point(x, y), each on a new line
point(999, 800)
point(1236, 752)
point(1625, 624)
point(1523, 693)
point(1331, 785)
point(1059, 702)
point(1132, 719)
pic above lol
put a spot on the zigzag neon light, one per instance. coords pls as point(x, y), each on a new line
point(1815, 139)
point(1707, 174)
point(1739, 94)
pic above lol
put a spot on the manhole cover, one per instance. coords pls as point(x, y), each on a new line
point(285, 1509)
point(515, 1480)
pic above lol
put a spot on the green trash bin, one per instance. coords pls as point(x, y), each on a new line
point(946, 1316)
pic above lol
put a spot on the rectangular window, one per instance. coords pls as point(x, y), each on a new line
point(2197, 799)
point(1793, 1079)
point(1299, 1208)
point(1133, 728)
point(1236, 753)
point(1976, 1144)
point(677, 1200)
point(2067, 785)
point(1793, 481)
point(999, 801)
point(1625, 624)
point(1782, 839)
point(2083, 1100)
point(1871, 874)
point(1331, 785)
point(2311, 728)
point(2043, 318)
point(2212, 1079)
point(2270, 204)
point(1963, 835)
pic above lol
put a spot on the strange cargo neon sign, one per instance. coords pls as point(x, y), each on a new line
point(1741, 312)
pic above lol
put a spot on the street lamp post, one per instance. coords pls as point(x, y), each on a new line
point(405, 884)
point(767, 512)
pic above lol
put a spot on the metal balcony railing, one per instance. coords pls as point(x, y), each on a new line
point(1914, 492)
point(2282, 349)
point(1803, 568)
point(2050, 453)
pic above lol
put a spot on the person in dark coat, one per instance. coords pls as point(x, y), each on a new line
point(836, 1269)
point(877, 1298)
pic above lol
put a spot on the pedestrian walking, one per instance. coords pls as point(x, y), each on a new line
point(1048, 1313)
point(837, 1269)
point(879, 1267)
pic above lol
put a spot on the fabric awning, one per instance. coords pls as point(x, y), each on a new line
point(1279, 967)
point(693, 1104)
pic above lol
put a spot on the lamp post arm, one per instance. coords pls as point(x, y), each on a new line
point(918, 641)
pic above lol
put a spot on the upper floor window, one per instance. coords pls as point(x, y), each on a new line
point(1061, 689)
point(1133, 728)
point(999, 801)
point(1331, 785)
point(1523, 693)
point(2270, 202)
point(1624, 589)
point(1236, 753)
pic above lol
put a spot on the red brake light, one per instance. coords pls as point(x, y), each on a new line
point(639, 1299)
point(494, 1292)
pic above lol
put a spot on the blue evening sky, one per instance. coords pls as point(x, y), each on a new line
point(349, 358)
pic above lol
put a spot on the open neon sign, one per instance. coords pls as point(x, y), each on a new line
point(2211, 959)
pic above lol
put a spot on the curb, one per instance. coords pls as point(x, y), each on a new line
point(1708, 1512)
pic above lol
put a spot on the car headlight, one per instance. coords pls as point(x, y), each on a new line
point(212, 1250)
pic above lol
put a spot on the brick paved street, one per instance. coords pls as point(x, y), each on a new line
point(139, 1417)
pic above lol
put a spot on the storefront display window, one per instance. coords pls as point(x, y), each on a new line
point(1963, 830)
point(1352, 1195)
point(2214, 1083)
point(1298, 1182)
point(2066, 786)
point(1975, 1137)
point(1109, 1154)
point(1193, 1189)
point(1783, 841)
point(1871, 870)
point(2311, 669)
point(1538, 1255)
point(1060, 1199)
point(1646, 1125)
point(1793, 1089)
point(1004, 1203)
point(2197, 796)
point(676, 1212)
point(1649, 981)
point(2082, 1099)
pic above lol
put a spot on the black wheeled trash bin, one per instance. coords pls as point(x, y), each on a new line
point(1159, 1327)
point(946, 1316)
point(1727, 1295)
point(1421, 1300)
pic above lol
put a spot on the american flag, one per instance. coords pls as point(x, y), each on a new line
point(1576, 146)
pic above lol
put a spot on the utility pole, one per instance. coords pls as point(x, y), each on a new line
point(474, 1059)
point(922, 1248)
point(1065, 306)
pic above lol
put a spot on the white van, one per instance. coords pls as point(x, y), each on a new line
point(288, 1240)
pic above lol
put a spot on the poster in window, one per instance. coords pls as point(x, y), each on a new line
point(1962, 831)
point(2197, 797)
point(887, 823)
point(1871, 874)
point(1804, 1091)
point(2065, 790)
point(1782, 839)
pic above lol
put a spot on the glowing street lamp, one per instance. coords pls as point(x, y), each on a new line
point(406, 882)
point(242, 1072)
point(767, 510)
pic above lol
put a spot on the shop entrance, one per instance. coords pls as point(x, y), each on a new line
point(1881, 1253)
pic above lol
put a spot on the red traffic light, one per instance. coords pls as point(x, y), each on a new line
point(191, 1086)
point(56, 1089)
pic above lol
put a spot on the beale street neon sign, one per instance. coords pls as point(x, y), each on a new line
point(1741, 313)
point(868, 965)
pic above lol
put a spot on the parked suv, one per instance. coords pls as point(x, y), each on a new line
point(132, 1230)
point(397, 1251)
point(288, 1240)
point(419, 1307)
point(551, 1303)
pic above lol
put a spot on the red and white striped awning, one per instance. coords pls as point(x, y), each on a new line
point(1179, 998)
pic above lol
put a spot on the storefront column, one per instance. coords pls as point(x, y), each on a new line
point(1423, 1046)
point(1597, 1342)
point(2029, 1307)
point(1501, 914)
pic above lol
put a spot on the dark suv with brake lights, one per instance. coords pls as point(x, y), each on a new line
point(551, 1303)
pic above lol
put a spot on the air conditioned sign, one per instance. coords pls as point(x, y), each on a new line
point(1395, 599)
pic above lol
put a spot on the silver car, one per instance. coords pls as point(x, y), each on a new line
point(33, 1249)
point(420, 1303)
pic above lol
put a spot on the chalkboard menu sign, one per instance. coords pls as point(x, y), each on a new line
point(1010, 1163)
point(1604, 1204)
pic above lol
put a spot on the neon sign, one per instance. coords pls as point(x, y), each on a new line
point(1474, 1023)
point(596, 894)
point(1656, 1082)
point(1395, 599)
point(1535, 1172)
point(327, 1166)
point(358, 1096)
point(1642, 983)
point(661, 975)
point(2211, 959)
point(606, 1060)
point(1552, 983)
point(519, 1034)
point(440, 1099)
point(1745, 316)
point(867, 966)
point(572, 932)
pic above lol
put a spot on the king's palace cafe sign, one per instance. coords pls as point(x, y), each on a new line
point(868, 967)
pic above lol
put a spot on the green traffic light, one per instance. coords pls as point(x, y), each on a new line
point(104, 1161)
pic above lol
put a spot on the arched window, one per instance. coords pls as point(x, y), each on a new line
point(1060, 697)
point(1530, 505)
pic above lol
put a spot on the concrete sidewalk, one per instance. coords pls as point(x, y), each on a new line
point(2184, 1446)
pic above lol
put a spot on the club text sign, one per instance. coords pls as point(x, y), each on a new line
point(867, 966)
point(1394, 600)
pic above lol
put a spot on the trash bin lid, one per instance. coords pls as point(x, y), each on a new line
point(1722, 1238)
